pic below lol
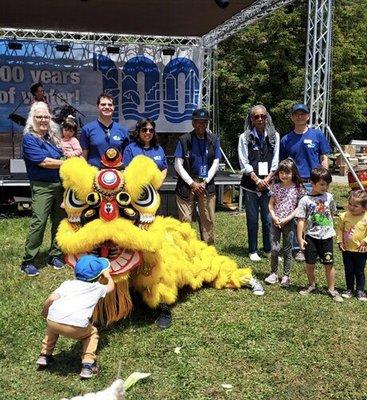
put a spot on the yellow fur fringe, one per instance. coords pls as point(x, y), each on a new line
point(115, 306)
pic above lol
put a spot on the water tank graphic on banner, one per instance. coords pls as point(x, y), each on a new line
point(180, 89)
point(140, 89)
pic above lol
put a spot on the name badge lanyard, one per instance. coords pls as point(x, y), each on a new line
point(204, 159)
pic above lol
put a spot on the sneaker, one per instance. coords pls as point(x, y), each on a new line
point(257, 287)
point(44, 361)
point(348, 294)
point(272, 278)
point(285, 281)
point(267, 255)
point(361, 295)
point(56, 263)
point(308, 290)
point(254, 257)
point(29, 269)
point(300, 256)
point(335, 295)
point(164, 319)
point(88, 370)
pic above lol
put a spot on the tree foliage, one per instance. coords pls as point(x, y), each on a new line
point(264, 63)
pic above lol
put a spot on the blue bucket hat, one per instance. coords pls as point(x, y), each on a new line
point(88, 267)
point(300, 107)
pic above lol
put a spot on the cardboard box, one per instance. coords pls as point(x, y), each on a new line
point(350, 149)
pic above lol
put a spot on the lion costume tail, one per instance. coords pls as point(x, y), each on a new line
point(186, 261)
point(182, 261)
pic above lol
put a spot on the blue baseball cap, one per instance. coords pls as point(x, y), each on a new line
point(88, 267)
point(200, 113)
point(300, 107)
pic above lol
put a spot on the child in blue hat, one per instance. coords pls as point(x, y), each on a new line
point(69, 308)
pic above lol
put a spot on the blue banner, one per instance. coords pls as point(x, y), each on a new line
point(143, 82)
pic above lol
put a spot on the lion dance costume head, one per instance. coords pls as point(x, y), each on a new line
point(112, 213)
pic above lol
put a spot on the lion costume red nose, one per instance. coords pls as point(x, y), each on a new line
point(109, 183)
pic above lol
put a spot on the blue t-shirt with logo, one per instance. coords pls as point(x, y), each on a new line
point(97, 138)
point(35, 150)
point(155, 153)
point(199, 155)
point(305, 149)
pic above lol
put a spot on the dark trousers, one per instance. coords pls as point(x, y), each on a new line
point(254, 204)
point(276, 233)
point(354, 264)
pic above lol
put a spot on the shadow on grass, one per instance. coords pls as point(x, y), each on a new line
point(67, 361)
point(142, 315)
point(239, 251)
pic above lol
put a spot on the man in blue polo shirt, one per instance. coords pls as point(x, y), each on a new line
point(308, 147)
point(197, 158)
point(99, 135)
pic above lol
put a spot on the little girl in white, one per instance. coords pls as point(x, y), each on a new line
point(69, 143)
point(283, 203)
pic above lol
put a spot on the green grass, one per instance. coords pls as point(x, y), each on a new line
point(280, 346)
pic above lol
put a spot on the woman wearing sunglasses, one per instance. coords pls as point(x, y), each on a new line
point(42, 155)
point(258, 153)
point(145, 142)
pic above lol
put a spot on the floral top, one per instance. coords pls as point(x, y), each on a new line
point(286, 198)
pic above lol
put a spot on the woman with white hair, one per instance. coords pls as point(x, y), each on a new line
point(42, 155)
point(258, 152)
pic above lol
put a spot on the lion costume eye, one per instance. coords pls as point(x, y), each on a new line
point(71, 201)
point(147, 197)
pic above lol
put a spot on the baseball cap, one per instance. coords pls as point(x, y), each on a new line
point(200, 113)
point(300, 107)
point(89, 267)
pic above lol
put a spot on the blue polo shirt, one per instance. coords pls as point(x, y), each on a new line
point(35, 150)
point(199, 155)
point(305, 149)
point(155, 153)
point(97, 138)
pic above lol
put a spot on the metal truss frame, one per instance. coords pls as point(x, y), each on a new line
point(318, 62)
point(257, 11)
point(318, 53)
point(207, 81)
point(98, 38)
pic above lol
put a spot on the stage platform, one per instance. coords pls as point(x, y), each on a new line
point(14, 186)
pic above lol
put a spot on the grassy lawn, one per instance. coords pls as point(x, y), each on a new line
point(280, 346)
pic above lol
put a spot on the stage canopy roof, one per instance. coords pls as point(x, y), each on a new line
point(136, 17)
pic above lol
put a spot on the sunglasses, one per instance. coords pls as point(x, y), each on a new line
point(39, 117)
point(146, 130)
point(262, 116)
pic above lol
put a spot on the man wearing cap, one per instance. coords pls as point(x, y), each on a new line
point(307, 146)
point(197, 158)
point(97, 136)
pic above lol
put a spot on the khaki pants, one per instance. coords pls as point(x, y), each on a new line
point(206, 206)
point(88, 336)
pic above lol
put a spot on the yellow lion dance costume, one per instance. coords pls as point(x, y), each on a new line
point(111, 213)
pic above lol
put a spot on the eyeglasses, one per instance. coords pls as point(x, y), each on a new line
point(150, 130)
point(39, 117)
point(258, 116)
